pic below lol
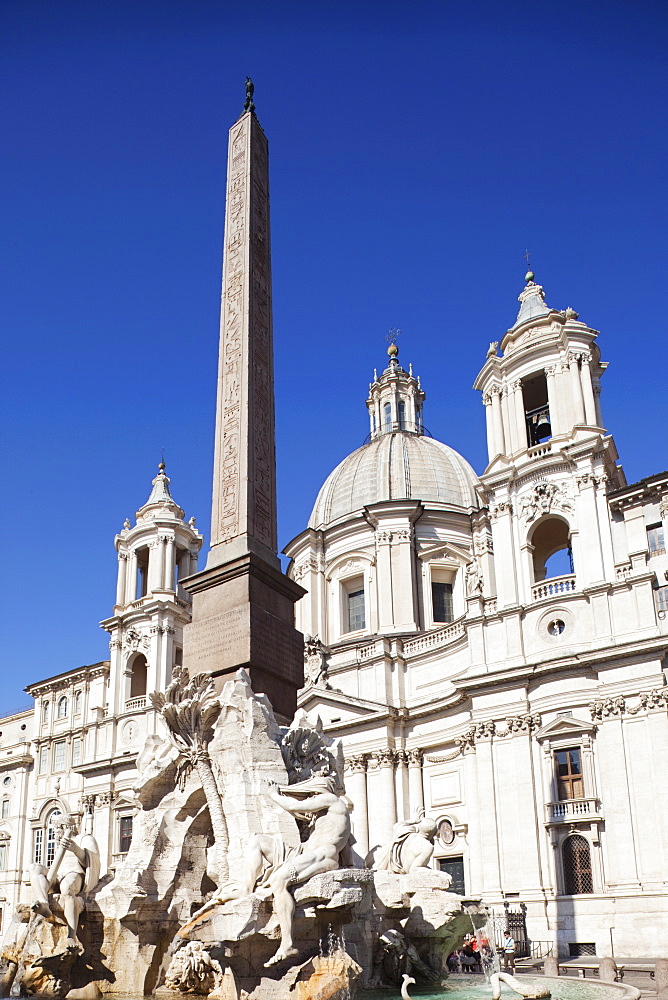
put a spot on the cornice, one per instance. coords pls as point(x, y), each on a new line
point(65, 680)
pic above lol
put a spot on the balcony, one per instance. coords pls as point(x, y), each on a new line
point(557, 586)
point(573, 811)
point(135, 703)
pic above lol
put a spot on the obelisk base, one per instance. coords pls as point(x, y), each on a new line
point(242, 616)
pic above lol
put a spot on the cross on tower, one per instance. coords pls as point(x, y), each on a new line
point(391, 337)
point(527, 254)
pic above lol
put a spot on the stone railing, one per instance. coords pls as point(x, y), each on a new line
point(439, 637)
point(555, 587)
point(369, 651)
point(539, 449)
point(623, 570)
point(135, 703)
point(571, 810)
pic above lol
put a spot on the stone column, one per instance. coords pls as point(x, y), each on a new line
point(497, 421)
point(474, 831)
point(131, 578)
point(489, 423)
point(156, 564)
point(382, 804)
point(596, 388)
point(168, 569)
point(554, 408)
point(576, 389)
point(590, 569)
point(504, 553)
point(384, 580)
point(121, 582)
point(415, 786)
point(520, 419)
point(588, 391)
point(356, 791)
point(401, 790)
point(508, 417)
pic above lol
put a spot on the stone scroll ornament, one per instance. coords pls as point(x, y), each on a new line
point(190, 709)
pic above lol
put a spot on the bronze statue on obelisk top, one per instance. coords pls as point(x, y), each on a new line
point(243, 605)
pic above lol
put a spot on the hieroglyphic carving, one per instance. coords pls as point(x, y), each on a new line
point(244, 475)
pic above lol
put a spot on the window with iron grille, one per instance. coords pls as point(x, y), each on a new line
point(577, 866)
point(441, 602)
point(578, 949)
point(661, 598)
point(568, 769)
point(656, 540)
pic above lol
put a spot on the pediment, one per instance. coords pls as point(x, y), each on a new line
point(315, 696)
point(565, 727)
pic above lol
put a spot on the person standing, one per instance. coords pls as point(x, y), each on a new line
point(508, 953)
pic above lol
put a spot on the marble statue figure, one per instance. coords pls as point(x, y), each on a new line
point(75, 870)
point(411, 847)
point(276, 866)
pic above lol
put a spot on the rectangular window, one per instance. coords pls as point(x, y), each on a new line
point(356, 616)
point(569, 774)
point(38, 844)
point(3, 857)
point(43, 759)
point(5, 808)
point(76, 752)
point(59, 756)
point(661, 599)
point(441, 602)
point(125, 834)
point(656, 540)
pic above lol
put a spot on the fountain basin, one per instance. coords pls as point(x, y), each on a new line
point(460, 987)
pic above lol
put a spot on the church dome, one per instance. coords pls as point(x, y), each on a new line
point(396, 466)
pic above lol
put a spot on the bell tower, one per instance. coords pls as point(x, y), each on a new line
point(550, 458)
point(152, 608)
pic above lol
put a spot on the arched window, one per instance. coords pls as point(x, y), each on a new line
point(45, 712)
point(138, 679)
point(577, 866)
point(552, 555)
point(402, 415)
point(62, 708)
point(78, 699)
point(387, 415)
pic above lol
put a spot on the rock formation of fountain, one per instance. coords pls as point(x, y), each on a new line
point(242, 878)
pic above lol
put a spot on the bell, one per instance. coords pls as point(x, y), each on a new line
point(543, 428)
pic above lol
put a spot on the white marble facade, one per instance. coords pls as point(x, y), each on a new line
point(465, 636)
point(76, 750)
point(546, 647)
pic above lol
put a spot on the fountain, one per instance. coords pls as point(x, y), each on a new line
point(242, 879)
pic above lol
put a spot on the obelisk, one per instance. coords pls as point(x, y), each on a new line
point(243, 605)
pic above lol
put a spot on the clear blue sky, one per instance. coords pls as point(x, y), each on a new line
point(416, 149)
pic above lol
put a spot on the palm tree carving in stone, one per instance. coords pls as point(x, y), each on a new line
point(190, 709)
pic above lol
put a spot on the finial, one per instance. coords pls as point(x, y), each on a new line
point(250, 90)
point(392, 335)
point(529, 276)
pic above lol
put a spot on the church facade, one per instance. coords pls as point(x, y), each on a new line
point(491, 649)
